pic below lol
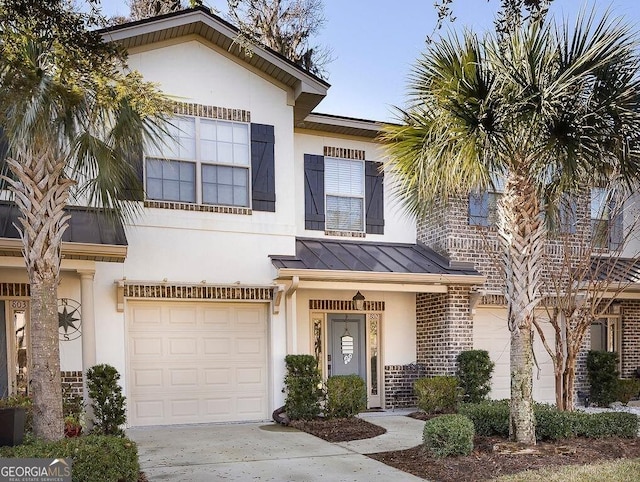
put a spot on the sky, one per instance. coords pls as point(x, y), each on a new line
point(375, 43)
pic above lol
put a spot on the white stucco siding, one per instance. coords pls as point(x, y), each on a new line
point(399, 227)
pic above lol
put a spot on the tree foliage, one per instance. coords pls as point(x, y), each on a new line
point(286, 26)
point(73, 116)
point(140, 9)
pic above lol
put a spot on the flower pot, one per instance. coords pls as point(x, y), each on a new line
point(72, 430)
point(11, 425)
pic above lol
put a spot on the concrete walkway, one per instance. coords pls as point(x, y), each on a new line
point(269, 452)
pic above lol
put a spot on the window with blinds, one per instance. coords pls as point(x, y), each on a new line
point(344, 194)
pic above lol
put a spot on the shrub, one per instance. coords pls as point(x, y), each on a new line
point(606, 424)
point(474, 375)
point(489, 417)
point(302, 383)
point(107, 400)
point(95, 457)
point(346, 396)
point(628, 388)
point(437, 394)
point(448, 435)
point(551, 423)
point(602, 371)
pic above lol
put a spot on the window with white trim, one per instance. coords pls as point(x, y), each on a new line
point(599, 217)
point(201, 160)
point(344, 194)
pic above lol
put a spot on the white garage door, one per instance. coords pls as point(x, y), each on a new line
point(194, 362)
point(490, 332)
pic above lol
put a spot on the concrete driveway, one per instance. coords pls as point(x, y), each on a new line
point(267, 452)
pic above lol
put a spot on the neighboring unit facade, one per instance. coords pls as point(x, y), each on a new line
point(266, 230)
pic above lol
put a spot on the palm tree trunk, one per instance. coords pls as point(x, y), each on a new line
point(41, 193)
point(522, 234)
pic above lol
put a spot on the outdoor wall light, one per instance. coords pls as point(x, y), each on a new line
point(358, 301)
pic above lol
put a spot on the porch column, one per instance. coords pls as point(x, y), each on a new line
point(88, 325)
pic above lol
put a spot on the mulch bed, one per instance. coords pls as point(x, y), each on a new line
point(339, 429)
point(484, 463)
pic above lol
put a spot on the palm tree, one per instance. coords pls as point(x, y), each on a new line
point(72, 117)
point(548, 109)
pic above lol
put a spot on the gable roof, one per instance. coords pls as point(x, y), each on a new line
point(339, 260)
point(308, 89)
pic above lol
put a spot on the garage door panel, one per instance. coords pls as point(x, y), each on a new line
point(490, 333)
point(145, 316)
point(213, 369)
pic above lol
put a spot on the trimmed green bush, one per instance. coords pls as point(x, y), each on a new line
point(437, 394)
point(628, 388)
point(95, 457)
point(346, 396)
point(489, 418)
point(602, 371)
point(108, 401)
point(551, 423)
point(448, 435)
point(605, 424)
point(302, 383)
point(474, 375)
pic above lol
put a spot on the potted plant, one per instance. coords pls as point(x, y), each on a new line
point(73, 408)
point(72, 426)
point(13, 415)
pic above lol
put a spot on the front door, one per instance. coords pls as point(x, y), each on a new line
point(347, 354)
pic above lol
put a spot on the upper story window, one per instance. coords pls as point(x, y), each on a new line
point(344, 194)
point(599, 218)
point(204, 161)
point(483, 206)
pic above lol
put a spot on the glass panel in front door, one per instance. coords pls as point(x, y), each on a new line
point(347, 345)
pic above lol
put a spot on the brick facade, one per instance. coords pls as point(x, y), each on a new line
point(398, 385)
point(630, 338)
point(71, 383)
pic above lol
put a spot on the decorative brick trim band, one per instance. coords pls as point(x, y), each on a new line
point(493, 300)
point(344, 305)
point(342, 153)
point(346, 234)
point(212, 112)
point(71, 384)
point(196, 292)
point(206, 208)
point(15, 289)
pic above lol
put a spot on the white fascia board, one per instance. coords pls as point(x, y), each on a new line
point(373, 286)
point(377, 277)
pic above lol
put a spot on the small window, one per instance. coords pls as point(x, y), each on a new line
point(344, 191)
point(483, 206)
point(599, 218)
point(203, 161)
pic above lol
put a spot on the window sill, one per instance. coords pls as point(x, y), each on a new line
point(205, 208)
point(346, 234)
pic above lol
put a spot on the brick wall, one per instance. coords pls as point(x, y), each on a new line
point(443, 329)
point(71, 383)
point(630, 338)
point(398, 385)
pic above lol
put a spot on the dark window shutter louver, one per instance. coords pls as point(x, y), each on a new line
point(568, 215)
point(314, 192)
point(133, 190)
point(263, 181)
point(374, 197)
point(616, 234)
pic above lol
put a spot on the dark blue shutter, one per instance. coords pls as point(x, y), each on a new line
point(314, 192)
point(479, 208)
point(4, 348)
point(616, 234)
point(263, 180)
point(568, 214)
point(374, 197)
point(133, 189)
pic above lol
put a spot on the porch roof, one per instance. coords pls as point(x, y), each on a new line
point(91, 234)
point(340, 260)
